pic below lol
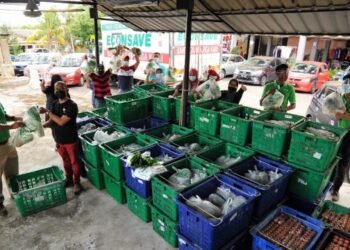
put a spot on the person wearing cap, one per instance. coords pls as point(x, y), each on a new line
point(344, 151)
point(101, 87)
point(233, 94)
point(8, 152)
point(288, 91)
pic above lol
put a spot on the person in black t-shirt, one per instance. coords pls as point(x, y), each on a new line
point(232, 94)
point(63, 123)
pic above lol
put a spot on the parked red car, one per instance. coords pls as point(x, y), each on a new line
point(308, 76)
point(69, 69)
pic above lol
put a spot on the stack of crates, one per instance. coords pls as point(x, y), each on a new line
point(138, 191)
point(92, 156)
point(164, 194)
point(113, 172)
point(314, 158)
point(209, 232)
point(269, 136)
point(207, 116)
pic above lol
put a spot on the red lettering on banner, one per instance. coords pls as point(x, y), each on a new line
point(198, 49)
point(145, 56)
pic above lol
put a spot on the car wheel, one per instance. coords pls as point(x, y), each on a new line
point(263, 80)
point(81, 81)
point(222, 74)
point(313, 87)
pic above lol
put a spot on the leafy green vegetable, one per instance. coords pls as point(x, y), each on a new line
point(138, 160)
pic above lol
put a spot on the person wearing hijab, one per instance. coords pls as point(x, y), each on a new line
point(49, 91)
point(233, 94)
point(209, 90)
point(212, 74)
point(193, 83)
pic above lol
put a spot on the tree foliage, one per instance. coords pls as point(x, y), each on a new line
point(14, 46)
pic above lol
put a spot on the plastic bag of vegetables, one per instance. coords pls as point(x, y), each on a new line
point(332, 104)
point(32, 121)
point(22, 136)
point(273, 100)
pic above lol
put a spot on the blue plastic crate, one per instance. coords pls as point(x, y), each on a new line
point(144, 125)
point(142, 187)
point(215, 233)
point(304, 205)
point(271, 194)
point(99, 122)
point(261, 243)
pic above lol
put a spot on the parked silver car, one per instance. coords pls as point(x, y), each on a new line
point(258, 70)
point(229, 64)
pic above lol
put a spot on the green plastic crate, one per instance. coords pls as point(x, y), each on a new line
point(91, 150)
point(138, 205)
point(128, 107)
point(271, 138)
point(313, 152)
point(236, 124)
point(310, 184)
point(38, 190)
point(190, 113)
point(164, 194)
point(163, 107)
point(151, 88)
point(159, 132)
point(86, 114)
point(164, 227)
point(207, 116)
point(95, 176)
point(114, 188)
point(329, 205)
point(201, 139)
point(101, 112)
point(226, 149)
point(111, 158)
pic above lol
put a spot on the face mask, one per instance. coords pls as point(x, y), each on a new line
point(159, 76)
point(61, 94)
point(192, 78)
point(345, 88)
point(125, 63)
point(232, 89)
point(212, 77)
point(156, 60)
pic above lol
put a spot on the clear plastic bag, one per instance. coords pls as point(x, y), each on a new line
point(102, 137)
point(332, 104)
point(22, 136)
point(32, 121)
point(209, 90)
point(205, 207)
point(273, 100)
point(181, 178)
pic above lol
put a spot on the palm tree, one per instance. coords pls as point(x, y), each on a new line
point(49, 31)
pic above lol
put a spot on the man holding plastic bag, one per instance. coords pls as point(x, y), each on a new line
point(8, 153)
point(63, 123)
point(279, 95)
point(343, 118)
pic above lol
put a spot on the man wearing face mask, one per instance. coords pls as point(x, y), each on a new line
point(128, 70)
point(280, 84)
point(152, 67)
point(63, 123)
point(232, 94)
point(101, 88)
point(344, 151)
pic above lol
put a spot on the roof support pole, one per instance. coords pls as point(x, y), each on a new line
point(95, 15)
point(301, 48)
point(184, 98)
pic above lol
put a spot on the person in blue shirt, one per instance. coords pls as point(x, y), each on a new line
point(152, 66)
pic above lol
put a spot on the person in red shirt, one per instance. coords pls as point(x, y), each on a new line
point(100, 82)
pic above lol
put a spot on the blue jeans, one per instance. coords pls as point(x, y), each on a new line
point(93, 99)
point(100, 103)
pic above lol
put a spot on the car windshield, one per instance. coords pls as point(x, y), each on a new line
point(41, 60)
point(258, 62)
point(224, 59)
point(305, 68)
point(70, 62)
point(24, 58)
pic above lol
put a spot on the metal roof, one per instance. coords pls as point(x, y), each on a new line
point(287, 17)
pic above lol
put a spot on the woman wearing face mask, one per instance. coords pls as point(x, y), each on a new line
point(193, 83)
point(127, 70)
point(49, 91)
point(233, 94)
point(344, 152)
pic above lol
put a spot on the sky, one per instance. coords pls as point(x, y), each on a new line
point(17, 18)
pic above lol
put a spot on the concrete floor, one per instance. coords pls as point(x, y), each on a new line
point(93, 220)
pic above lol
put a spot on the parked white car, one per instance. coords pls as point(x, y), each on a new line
point(229, 63)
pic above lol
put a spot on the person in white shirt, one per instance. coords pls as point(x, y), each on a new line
point(116, 63)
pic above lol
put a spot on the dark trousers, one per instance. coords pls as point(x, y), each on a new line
point(344, 164)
